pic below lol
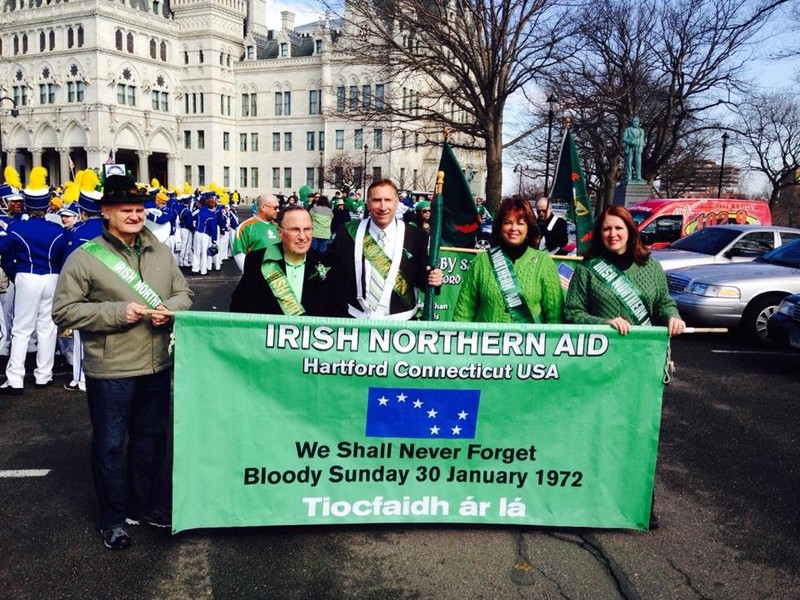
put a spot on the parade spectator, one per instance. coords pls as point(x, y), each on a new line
point(259, 231)
point(119, 290)
point(381, 263)
point(288, 278)
point(422, 215)
point(38, 248)
point(321, 217)
point(512, 282)
point(552, 227)
point(340, 216)
point(483, 212)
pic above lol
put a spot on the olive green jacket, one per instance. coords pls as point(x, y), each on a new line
point(91, 298)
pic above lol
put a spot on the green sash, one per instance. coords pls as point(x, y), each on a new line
point(623, 288)
point(506, 278)
point(279, 284)
point(378, 259)
point(125, 272)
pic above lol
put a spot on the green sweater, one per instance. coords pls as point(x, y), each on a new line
point(481, 301)
point(590, 301)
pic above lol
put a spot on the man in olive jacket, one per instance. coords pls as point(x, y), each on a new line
point(119, 290)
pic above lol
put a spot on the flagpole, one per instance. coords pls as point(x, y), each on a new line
point(435, 242)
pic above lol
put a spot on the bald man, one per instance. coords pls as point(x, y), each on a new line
point(259, 231)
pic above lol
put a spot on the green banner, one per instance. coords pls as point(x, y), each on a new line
point(305, 421)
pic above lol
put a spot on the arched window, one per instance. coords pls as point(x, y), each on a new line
point(152, 48)
point(42, 42)
point(130, 42)
point(164, 51)
point(200, 56)
point(52, 40)
point(185, 57)
point(24, 43)
point(80, 36)
point(70, 37)
point(119, 39)
point(16, 45)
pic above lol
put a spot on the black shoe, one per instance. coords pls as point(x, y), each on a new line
point(41, 386)
point(7, 390)
point(116, 538)
point(654, 524)
point(158, 517)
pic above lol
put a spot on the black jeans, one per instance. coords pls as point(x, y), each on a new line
point(138, 407)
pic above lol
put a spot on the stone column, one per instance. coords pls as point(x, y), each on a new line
point(36, 157)
point(174, 170)
point(144, 169)
point(63, 159)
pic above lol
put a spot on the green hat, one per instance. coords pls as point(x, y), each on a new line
point(422, 204)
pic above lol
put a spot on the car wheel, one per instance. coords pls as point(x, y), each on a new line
point(754, 319)
point(482, 243)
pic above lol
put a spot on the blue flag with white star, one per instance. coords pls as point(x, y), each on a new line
point(422, 413)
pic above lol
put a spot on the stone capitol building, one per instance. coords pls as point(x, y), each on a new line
point(197, 91)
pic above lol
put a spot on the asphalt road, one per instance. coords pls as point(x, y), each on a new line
point(727, 488)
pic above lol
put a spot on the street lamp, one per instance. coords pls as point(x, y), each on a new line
point(722, 163)
point(552, 99)
point(518, 169)
point(14, 113)
point(364, 174)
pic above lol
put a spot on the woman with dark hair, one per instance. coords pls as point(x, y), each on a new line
point(513, 282)
point(618, 282)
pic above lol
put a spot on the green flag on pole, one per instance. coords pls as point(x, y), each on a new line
point(460, 222)
point(569, 186)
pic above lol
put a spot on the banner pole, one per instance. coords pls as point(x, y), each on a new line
point(435, 242)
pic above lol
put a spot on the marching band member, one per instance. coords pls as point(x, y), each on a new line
point(38, 247)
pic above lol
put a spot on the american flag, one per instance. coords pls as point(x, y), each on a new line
point(422, 413)
point(565, 274)
point(71, 166)
point(110, 158)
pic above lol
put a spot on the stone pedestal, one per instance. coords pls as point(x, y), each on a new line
point(628, 193)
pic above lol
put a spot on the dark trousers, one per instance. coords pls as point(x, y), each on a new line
point(139, 408)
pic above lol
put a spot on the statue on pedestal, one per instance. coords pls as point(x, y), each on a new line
point(633, 144)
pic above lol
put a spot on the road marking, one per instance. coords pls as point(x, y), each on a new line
point(25, 473)
point(759, 352)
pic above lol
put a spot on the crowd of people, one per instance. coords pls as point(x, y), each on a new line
point(94, 268)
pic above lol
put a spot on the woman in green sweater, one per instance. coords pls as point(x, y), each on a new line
point(513, 282)
point(618, 282)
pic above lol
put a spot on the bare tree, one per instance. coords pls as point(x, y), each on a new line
point(343, 171)
point(455, 63)
point(767, 131)
point(674, 64)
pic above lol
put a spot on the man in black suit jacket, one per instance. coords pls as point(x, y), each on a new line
point(397, 253)
point(286, 278)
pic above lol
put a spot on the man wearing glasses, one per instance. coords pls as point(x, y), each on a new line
point(287, 278)
point(552, 227)
point(259, 231)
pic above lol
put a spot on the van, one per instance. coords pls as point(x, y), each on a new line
point(661, 221)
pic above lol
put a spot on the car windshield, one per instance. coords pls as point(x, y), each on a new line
point(709, 240)
point(640, 215)
point(787, 255)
